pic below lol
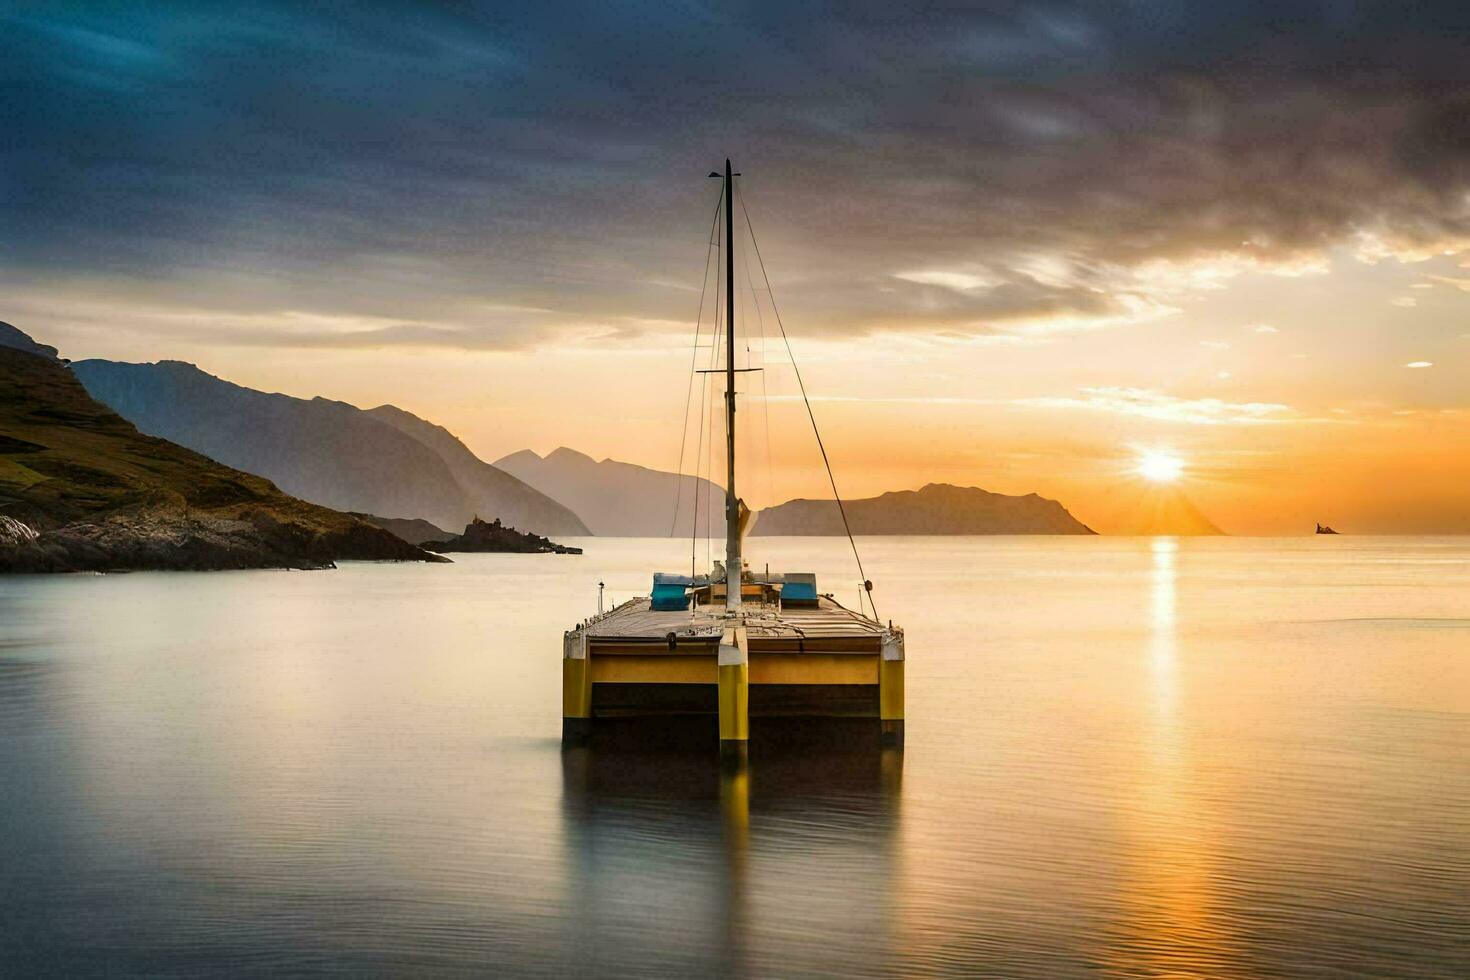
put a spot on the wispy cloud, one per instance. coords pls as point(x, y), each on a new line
point(950, 279)
point(1151, 404)
point(161, 323)
point(890, 399)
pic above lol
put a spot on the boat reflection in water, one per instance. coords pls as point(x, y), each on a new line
point(799, 843)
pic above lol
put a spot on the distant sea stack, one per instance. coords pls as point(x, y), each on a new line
point(493, 536)
point(937, 508)
point(385, 462)
point(82, 490)
point(620, 499)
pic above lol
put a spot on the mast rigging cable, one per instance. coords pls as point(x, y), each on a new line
point(713, 246)
point(846, 527)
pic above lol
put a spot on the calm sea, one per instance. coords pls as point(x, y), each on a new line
point(1126, 757)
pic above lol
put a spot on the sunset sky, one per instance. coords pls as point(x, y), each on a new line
point(1019, 250)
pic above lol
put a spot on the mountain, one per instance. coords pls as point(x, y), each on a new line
point(619, 499)
point(81, 489)
point(414, 530)
point(522, 506)
point(18, 339)
point(328, 452)
point(938, 508)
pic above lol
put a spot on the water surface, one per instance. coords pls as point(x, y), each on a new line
point(1125, 757)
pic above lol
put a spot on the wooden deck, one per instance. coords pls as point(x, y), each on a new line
point(819, 627)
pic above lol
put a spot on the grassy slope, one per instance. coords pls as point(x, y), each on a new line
point(66, 459)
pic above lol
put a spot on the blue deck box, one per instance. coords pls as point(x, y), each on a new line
point(670, 592)
point(799, 588)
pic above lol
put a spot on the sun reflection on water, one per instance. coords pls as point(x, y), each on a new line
point(1173, 924)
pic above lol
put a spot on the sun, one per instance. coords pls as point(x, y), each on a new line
point(1160, 467)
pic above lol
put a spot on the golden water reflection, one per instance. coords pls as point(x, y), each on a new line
point(1205, 757)
point(1171, 919)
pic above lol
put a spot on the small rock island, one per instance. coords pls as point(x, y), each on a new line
point(938, 508)
point(494, 536)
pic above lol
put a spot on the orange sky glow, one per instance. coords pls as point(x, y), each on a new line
point(1292, 396)
point(1015, 248)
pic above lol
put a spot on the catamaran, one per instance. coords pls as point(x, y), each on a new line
point(734, 642)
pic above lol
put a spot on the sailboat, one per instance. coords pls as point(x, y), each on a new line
point(733, 642)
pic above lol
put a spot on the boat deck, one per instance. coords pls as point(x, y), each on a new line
point(822, 626)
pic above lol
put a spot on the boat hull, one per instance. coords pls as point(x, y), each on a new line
point(824, 661)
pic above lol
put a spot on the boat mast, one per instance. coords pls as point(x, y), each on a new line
point(732, 503)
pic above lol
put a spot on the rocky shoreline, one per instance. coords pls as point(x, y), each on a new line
point(160, 542)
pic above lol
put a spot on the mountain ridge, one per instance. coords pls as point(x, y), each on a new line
point(323, 450)
point(616, 498)
point(17, 339)
point(537, 510)
point(83, 490)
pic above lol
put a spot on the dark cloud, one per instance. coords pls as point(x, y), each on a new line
point(553, 156)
